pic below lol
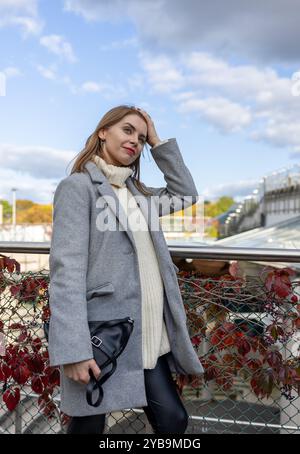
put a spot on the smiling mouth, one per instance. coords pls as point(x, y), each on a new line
point(132, 153)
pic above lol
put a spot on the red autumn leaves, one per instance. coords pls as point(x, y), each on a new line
point(26, 359)
point(29, 289)
point(252, 358)
point(233, 351)
point(22, 367)
point(7, 264)
point(240, 349)
point(278, 282)
point(11, 398)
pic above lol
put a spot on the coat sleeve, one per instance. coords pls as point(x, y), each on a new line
point(180, 191)
point(69, 337)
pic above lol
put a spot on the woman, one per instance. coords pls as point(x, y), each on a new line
point(101, 273)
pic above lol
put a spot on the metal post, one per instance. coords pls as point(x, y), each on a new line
point(18, 420)
point(14, 212)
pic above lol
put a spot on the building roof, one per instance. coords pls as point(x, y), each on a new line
point(285, 235)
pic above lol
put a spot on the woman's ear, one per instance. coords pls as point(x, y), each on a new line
point(101, 134)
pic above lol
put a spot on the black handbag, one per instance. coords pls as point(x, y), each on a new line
point(109, 338)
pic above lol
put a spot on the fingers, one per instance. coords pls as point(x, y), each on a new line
point(95, 369)
point(143, 112)
point(81, 372)
point(84, 379)
point(85, 375)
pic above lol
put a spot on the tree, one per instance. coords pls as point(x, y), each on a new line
point(7, 211)
point(24, 204)
point(224, 203)
point(213, 209)
point(36, 214)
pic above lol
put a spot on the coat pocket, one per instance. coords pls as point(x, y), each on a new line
point(103, 289)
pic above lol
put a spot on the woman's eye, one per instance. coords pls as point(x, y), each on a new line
point(143, 141)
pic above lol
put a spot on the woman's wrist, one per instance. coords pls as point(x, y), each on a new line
point(160, 142)
point(155, 142)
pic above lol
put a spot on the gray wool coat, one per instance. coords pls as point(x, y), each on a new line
point(94, 275)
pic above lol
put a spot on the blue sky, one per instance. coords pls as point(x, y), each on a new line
point(215, 75)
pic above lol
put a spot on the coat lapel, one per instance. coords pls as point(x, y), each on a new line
point(105, 190)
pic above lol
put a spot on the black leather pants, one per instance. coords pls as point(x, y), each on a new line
point(165, 410)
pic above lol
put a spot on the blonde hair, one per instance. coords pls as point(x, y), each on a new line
point(93, 145)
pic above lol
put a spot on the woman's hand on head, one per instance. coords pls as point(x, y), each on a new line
point(152, 136)
point(79, 372)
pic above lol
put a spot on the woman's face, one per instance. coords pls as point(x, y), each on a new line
point(129, 133)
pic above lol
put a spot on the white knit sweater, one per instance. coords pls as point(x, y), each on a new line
point(154, 333)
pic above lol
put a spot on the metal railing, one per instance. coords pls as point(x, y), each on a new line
point(212, 406)
point(183, 251)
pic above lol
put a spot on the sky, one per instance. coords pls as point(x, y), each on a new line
point(222, 77)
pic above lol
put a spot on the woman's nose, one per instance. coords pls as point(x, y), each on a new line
point(133, 140)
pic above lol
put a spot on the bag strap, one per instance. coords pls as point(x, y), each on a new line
point(94, 384)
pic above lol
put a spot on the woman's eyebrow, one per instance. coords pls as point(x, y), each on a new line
point(134, 128)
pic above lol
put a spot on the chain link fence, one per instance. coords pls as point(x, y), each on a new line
point(244, 328)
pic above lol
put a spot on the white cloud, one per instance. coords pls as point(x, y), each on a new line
point(47, 72)
point(35, 160)
point(225, 115)
point(59, 46)
point(240, 81)
point(34, 170)
point(232, 97)
point(237, 190)
point(51, 72)
point(23, 14)
point(117, 45)
point(93, 87)
point(280, 134)
point(264, 31)
point(229, 95)
point(28, 6)
point(37, 189)
point(11, 71)
point(162, 74)
point(107, 90)
point(95, 10)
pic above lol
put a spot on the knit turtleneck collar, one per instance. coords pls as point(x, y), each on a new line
point(116, 175)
